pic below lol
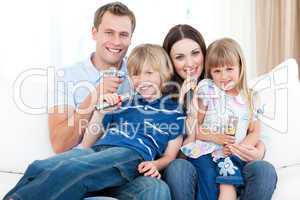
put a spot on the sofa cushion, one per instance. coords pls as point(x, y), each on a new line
point(24, 131)
point(279, 92)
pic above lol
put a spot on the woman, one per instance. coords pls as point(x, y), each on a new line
point(187, 50)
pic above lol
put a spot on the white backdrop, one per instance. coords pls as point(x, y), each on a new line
point(42, 33)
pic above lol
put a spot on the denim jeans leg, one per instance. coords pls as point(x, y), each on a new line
point(181, 177)
point(141, 188)
point(39, 166)
point(230, 171)
point(207, 188)
point(257, 174)
point(71, 179)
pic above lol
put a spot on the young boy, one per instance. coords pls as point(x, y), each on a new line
point(147, 127)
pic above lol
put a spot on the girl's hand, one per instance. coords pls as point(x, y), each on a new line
point(226, 150)
point(222, 139)
point(149, 169)
point(246, 152)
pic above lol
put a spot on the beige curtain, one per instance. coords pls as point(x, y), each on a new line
point(277, 32)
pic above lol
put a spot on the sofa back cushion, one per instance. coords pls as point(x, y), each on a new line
point(279, 91)
point(24, 131)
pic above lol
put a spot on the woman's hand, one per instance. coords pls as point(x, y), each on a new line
point(222, 139)
point(148, 168)
point(247, 152)
point(188, 84)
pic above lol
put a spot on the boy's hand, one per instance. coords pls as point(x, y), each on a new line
point(149, 169)
point(113, 100)
point(223, 139)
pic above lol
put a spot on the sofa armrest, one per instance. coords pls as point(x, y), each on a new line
point(288, 182)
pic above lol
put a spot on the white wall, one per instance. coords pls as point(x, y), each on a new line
point(41, 33)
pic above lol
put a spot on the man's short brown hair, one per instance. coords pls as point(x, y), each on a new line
point(115, 8)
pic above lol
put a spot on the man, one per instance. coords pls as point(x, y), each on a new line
point(113, 27)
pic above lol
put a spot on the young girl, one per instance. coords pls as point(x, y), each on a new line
point(141, 137)
point(224, 113)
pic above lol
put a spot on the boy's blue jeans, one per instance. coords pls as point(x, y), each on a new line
point(72, 174)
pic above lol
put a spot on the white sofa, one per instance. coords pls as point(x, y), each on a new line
point(25, 138)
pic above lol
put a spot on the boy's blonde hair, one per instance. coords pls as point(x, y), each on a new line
point(227, 52)
point(155, 56)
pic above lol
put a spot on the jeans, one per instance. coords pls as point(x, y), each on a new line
point(181, 176)
point(261, 179)
point(230, 171)
point(73, 174)
point(141, 188)
point(207, 188)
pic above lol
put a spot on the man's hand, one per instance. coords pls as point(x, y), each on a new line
point(108, 84)
point(65, 136)
point(149, 169)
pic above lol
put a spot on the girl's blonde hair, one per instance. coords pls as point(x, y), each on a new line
point(155, 56)
point(227, 52)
